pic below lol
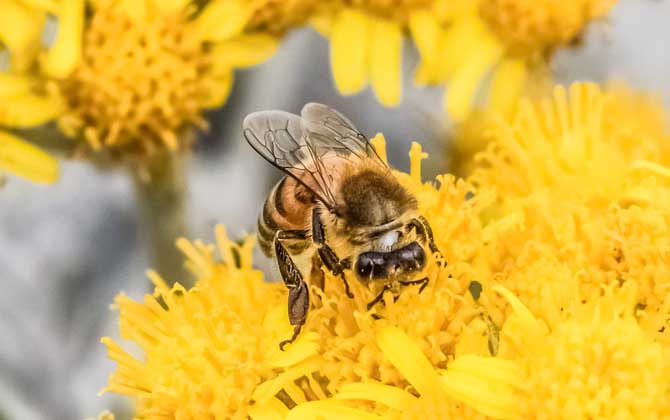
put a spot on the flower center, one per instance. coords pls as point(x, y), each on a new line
point(138, 85)
point(533, 26)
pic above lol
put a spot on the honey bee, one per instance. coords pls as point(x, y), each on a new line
point(339, 206)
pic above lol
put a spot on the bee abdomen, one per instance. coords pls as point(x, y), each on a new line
point(284, 209)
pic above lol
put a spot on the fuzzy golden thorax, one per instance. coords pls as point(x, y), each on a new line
point(370, 203)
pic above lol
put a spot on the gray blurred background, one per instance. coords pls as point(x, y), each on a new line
point(67, 249)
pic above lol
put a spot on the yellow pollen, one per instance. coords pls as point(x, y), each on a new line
point(138, 84)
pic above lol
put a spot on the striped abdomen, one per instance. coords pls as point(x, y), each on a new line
point(288, 207)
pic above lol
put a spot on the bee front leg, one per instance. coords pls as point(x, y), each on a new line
point(423, 282)
point(423, 229)
point(328, 256)
point(298, 292)
point(380, 296)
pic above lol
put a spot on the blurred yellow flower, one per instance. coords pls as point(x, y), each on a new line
point(148, 72)
point(26, 97)
point(460, 44)
point(553, 303)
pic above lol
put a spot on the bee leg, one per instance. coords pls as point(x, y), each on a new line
point(298, 292)
point(328, 256)
point(336, 266)
point(423, 229)
point(423, 282)
point(379, 297)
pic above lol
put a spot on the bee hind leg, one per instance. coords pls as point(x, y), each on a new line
point(298, 292)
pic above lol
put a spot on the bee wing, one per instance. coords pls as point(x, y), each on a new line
point(280, 139)
point(328, 130)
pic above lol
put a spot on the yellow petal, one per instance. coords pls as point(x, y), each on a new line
point(650, 167)
point(507, 84)
point(519, 308)
point(484, 52)
point(488, 368)
point(349, 51)
point(487, 397)
point(406, 356)
point(218, 90)
point(243, 51)
point(27, 161)
point(268, 389)
point(386, 61)
point(426, 33)
point(29, 110)
point(329, 410)
point(221, 20)
point(64, 54)
point(454, 45)
point(13, 84)
point(386, 394)
point(20, 31)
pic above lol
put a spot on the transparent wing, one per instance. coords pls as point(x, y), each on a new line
point(328, 131)
point(279, 137)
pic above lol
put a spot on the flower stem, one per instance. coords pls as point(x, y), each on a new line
point(161, 191)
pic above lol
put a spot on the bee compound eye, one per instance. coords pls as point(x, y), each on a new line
point(364, 266)
point(370, 265)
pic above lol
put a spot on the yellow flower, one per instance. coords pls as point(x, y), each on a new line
point(460, 45)
point(26, 98)
point(580, 181)
point(595, 362)
point(206, 349)
point(588, 260)
point(366, 47)
point(147, 73)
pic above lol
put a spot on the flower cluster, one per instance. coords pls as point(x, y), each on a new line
point(131, 79)
point(460, 44)
point(553, 303)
